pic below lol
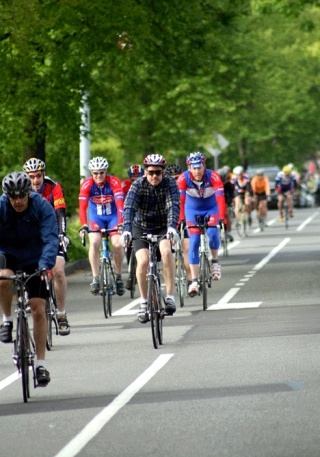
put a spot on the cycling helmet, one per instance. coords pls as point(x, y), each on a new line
point(260, 172)
point(33, 164)
point(173, 170)
point(196, 159)
point(286, 170)
point(238, 170)
point(16, 183)
point(155, 160)
point(98, 163)
point(135, 171)
point(224, 173)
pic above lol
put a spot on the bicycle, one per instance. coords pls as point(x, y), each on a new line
point(51, 314)
point(286, 211)
point(205, 277)
point(155, 311)
point(260, 214)
point(24, 349)
point(181, 275)
point(107, 275)
point(242, 222)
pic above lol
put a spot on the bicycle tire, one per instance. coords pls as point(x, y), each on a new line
point(111, 286)
point(286, 216)
point(23, 356)
point(132, 273)
point(104, 286)
point(49, 317)
point(203, 280)
point(153, 307)
point(180, 278)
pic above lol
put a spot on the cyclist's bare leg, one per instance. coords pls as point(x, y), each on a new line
point(280, 204)
point(290, 203)
point(60, 283)
point(248, 204)
point(37, 306)
point(168, 266)
point(214, 253)
point(185, 249)
point(141, 272)
point(94, 252)
point(6, 294)
point(118, 253)
point(237, 201)
point(194, 268)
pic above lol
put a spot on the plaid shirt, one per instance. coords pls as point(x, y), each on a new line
point(152, 207)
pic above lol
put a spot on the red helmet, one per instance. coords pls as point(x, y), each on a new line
point(155, 160)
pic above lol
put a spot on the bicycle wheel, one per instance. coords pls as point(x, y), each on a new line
point(224, 241)
point(104, 286)
point(111, 286)
point(132, 273)
point(49, 317)
point(153, 307)
point(203, 280)
point(181, 278)
point(286, 216)
point(23, 356)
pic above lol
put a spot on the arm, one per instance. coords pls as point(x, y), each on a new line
point(219, 194)
point(84, 196)
point(173, 204)
point(182, 186)
point(49, 235)
point(118, 194)
point(59, 205)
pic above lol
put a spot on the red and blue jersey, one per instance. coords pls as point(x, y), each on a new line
point(105, 202)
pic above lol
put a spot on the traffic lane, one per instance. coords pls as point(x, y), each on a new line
point(236, 397)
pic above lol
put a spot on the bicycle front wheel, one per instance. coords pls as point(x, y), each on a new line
point(181, 278)
point(132, 273)
point(22, 345)
point(105, 288)
point(49, 316)
point(203, 276)
point(154, 311)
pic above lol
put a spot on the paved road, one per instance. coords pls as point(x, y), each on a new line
point(239, 380)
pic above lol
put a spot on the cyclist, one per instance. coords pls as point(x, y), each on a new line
point(201, 194)
point(29, 241)
point(53, 193)
point(104, 196)
point(261, 192)
point(241, 182)
point(175, 170)
point(152, 206)
point(134, 172)
point(285, 185)
point(228, 188)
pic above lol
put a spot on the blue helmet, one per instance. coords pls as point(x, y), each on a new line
point(196, 159)
point(135, 171)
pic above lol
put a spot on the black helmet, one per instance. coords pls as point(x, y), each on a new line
point(173, 170)
point(16, 183)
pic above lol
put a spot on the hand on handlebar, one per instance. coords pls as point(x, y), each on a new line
point(125, 239)
point(173, 235)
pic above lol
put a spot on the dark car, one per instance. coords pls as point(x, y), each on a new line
point(271, 171)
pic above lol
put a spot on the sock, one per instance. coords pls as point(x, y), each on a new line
point(7, 319)
point(61, 313)
point(170, 296)
point(40, 363)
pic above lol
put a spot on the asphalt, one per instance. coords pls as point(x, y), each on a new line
point(77, 265)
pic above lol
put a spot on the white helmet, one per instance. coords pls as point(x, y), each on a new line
point(238, 170)
point(98, 163)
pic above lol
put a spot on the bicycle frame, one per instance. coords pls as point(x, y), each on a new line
point(107, 276)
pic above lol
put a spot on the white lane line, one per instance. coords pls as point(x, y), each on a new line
point(9, 380)
point(99, 421)
point(126, 310)
point(271, 254)
point(224, 302)
point(306, 222)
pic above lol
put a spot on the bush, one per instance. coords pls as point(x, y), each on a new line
point(75, 250)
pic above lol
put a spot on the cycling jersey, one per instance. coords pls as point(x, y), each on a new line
point(153, 208)
point(260, 185)
point(105, 202)
point(203, 198)
point(53, 193)
point(126, 184)
point(31, 236)
point(241, 184)
point(285, 183)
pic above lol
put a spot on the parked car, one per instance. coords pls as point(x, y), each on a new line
point(271, 171)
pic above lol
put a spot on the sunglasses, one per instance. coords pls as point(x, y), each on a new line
point(154, 172)
point(16, 196)
point(96, 173)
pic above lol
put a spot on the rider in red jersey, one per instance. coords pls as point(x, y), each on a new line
point(53, 193)
point(102, 195)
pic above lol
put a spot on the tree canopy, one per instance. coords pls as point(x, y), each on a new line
point(161, 75)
